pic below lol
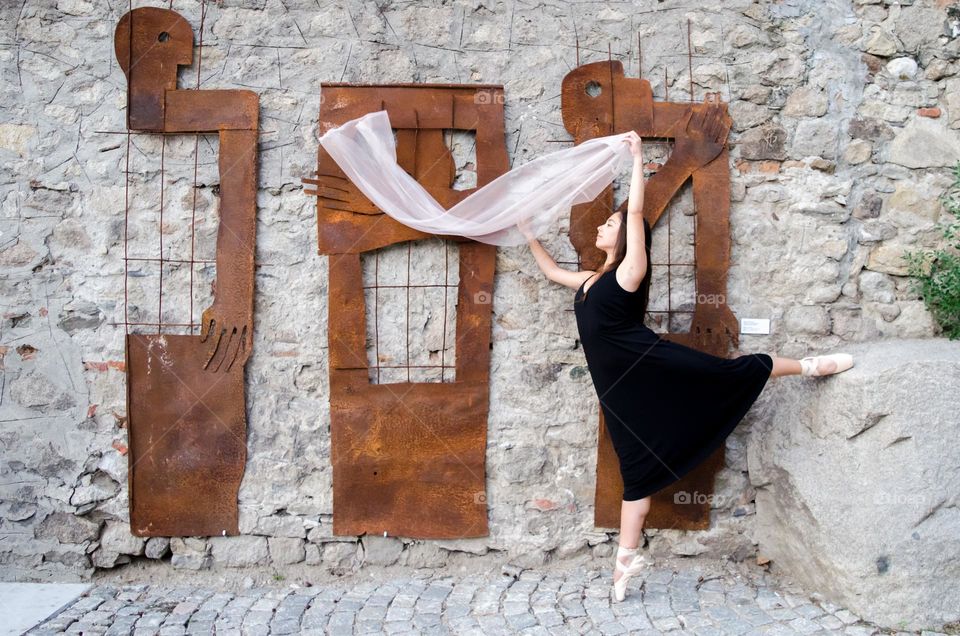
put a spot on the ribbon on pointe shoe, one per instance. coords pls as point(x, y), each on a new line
point(637, 565)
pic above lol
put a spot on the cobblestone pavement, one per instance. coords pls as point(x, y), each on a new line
point(574, 600)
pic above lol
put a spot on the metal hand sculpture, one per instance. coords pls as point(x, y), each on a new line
point(701, 139)
point(703, 135)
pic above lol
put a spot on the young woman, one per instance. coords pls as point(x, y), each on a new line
point(666, 406)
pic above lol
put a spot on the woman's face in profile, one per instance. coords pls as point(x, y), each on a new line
point(607, 232)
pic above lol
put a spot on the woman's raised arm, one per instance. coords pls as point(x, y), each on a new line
point(633, 268)
point(549, 266)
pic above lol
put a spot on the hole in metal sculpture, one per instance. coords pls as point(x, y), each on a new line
point(410, 294)
point(462, 145)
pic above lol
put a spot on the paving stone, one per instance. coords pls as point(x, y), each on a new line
point(493, 624)
point(520, 621)
point(398, 613)
point(804, 625)
point(809, 610)
point(537, 630)
point(666, 623)
point(830, 622)
point(709, 630)
point(782, 614)
point(690, 620)
point(611, 628)
point(200, 629)
point(846, 616)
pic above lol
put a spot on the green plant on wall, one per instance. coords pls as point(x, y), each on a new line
point(936, 274)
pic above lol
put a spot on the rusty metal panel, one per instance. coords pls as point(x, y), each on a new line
point(185, 393)
point(187, 439)
point(198, 111)
point(625, 104)
point(408, 458)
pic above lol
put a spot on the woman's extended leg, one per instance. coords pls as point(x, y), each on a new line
point(785, 366)
point(632, 516)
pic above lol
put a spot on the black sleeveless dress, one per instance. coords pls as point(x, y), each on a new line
point(667, 406)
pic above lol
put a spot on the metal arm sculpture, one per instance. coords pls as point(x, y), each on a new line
point(185, 393)
point(700, 132)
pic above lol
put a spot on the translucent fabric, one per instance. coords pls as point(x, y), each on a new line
point(538, 191)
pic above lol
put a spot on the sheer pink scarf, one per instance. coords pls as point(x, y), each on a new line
point(539, 191)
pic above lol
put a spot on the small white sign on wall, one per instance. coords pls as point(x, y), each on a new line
point(755, 325)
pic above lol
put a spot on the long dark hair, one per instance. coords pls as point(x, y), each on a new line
point(621, 251)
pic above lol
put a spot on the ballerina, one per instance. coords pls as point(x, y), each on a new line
point(643, 380)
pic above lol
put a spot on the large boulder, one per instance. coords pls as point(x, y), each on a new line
point(857, 482)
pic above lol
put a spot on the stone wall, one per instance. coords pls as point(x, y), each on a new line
point(845, 123)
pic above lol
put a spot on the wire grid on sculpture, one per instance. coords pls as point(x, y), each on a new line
point(395, 278)
point(170, 268)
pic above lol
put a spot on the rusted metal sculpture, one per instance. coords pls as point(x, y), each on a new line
point(408, 458)
point(598, 100)
point(185, 393)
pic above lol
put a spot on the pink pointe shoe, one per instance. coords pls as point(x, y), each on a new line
point(812, 365)
point(637, 565)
